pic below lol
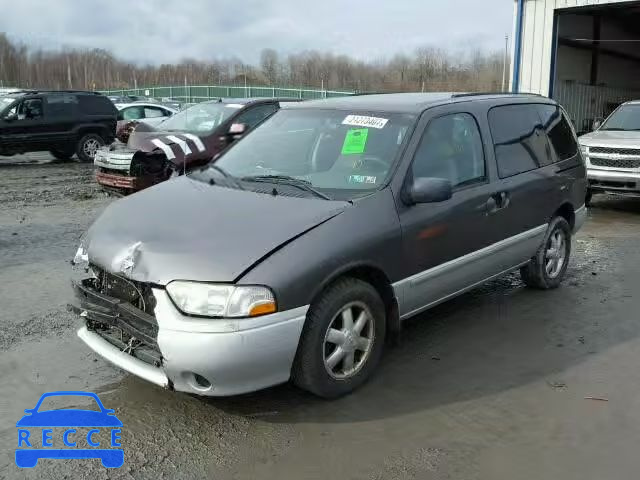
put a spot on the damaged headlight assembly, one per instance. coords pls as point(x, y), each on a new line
point(81, 258)
point(220, 300)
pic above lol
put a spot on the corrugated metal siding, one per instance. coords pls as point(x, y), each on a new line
point(537, 40)
point(584, 103)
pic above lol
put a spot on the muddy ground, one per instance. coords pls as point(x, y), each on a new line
point(491, 385)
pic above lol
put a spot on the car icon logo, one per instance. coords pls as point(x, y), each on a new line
point(34, 445)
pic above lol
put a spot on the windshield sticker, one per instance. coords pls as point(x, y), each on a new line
point(364, 121)
point(362, 179)
point(355, 141)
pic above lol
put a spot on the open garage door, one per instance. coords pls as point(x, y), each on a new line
point(597, 63)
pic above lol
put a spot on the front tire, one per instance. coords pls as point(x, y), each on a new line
point(342, 340)
point(588, 197)
point(88, 146)
point(547, 268)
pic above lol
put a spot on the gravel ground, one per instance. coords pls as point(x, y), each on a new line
point(491, 385)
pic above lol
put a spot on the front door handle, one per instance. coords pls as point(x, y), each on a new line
point(497, 202)
point(505, 200)
point(492, 206)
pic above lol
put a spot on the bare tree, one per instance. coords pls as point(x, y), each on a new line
point(270, 65)
point(428, 68)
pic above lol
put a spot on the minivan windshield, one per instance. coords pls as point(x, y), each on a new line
point(342, 154)
point(201, 118)
point(627, 117)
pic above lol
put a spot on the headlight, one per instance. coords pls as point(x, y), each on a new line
point(585, 150)
point(81, 257)
point(223, 301)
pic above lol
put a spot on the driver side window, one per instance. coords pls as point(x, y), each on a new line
point(254, 115)
point(451, 148)
point(30, 109)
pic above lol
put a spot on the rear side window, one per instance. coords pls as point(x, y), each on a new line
point(96, 105)
point(519, 141)
point(559, 131)
point(61, 106)
point(152, 112)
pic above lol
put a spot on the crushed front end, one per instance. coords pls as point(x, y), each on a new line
point(135, 326)
point(119, 312)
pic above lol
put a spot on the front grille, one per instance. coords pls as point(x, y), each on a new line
point(137, 294)
point(622, 163)
point(614, 151)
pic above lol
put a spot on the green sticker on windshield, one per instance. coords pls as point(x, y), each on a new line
point(355, 141)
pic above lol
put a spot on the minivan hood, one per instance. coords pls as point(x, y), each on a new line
point(611, 138)
point(189, 230)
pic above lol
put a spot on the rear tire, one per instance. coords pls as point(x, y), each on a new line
point(88, 146)
point(338, 351)
point(547, 268)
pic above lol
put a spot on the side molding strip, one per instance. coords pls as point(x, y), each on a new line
point(433, 272)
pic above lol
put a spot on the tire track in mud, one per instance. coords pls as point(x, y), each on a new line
point(28, 184)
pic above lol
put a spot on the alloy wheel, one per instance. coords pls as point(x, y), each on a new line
point(348, 341)
point(555, 254)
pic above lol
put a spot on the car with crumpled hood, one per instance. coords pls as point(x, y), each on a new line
point(303, 247)
point(180, 143)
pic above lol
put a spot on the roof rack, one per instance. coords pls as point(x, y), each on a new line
point(35, 92)
point(479, 94)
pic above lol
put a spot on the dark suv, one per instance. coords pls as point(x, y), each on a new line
point(61, 122)
point(302, 247)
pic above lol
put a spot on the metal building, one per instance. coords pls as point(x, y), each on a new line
point(583, 53)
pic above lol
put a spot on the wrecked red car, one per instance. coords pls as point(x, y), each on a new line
point(187, 140)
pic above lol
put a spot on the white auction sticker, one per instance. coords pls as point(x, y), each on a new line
point(365, 121)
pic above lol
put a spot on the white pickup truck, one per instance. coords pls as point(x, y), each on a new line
point(612, 153)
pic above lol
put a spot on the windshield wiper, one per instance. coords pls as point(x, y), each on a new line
point(287, 180)
point(615, 129)
point(226, 175)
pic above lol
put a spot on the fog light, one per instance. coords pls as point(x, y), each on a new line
point(201, 381)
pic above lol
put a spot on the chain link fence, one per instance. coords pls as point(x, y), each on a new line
point(199, 93)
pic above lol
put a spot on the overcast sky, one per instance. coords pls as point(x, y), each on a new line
point(154, 31)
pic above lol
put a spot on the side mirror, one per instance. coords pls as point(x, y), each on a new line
point(237, 130)
point(597, 123)
point(429, 190)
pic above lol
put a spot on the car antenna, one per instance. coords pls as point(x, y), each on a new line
point(186, 123)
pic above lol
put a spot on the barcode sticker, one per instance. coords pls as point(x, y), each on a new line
point(365, 121)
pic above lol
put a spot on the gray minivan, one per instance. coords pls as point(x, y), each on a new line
point(302, 248)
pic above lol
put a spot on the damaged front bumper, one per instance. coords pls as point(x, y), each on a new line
point(116, 159)
point(211, 357)
point(114, 172)
point(125, 182)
